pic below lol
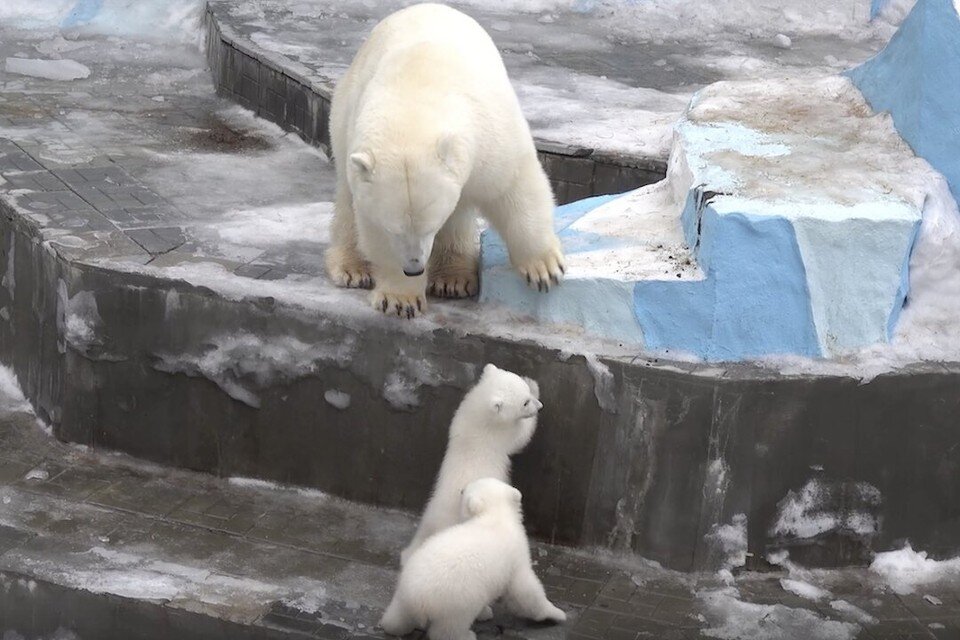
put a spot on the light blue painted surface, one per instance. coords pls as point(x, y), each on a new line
point(82, 12)
point(850, 260)
point(753, 302)
point(917, 79)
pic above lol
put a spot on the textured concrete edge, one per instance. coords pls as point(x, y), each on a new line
point(38, 608)
point(284, 92)
point(640, 457)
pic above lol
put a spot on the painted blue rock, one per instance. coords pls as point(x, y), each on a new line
point(784, 226)
point(917, 79)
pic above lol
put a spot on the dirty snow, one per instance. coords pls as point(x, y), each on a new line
point(821, 506)
point(63, 69)
point(730, 542)
point(904, 570)
point(278, 225)
point(244, 363)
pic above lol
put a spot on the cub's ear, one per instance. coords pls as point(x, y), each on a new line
point(363, 163)
point(474, 504)
point(534, 387)
point(516, 496)
point(490, 368)
point(497, 403)
point(452, 153)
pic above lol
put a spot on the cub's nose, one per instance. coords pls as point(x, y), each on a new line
point(413, 267)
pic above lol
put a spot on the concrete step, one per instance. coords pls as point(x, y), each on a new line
point(99, 545)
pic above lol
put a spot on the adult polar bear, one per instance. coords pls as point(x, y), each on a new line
point(426, 131)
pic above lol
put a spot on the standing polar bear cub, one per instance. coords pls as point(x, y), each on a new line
point(495, 420)
point(458, 572)
point(426, 132)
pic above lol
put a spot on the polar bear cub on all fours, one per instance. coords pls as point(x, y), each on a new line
point(458, 572)
point(495, 420)
point(426, 131)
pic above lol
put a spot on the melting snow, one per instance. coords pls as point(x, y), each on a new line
point(337, 399)
point(820, 506)
point(11, 397)
point(804, 589)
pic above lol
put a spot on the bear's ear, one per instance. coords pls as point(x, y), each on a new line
point(362, 162)
point(489, 367)
point(474, 504)
point(497, 403)
point(452, 153)
point(516, 496)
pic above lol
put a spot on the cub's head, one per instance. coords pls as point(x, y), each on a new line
point(402, 197)
point(511, 398)
point(486, 494)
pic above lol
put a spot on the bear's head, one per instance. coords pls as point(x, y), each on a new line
point(402, 197)
point(501, 410)
point(488, 494)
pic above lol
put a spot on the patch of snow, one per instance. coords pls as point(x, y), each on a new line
point(337, 399)
point(12, 399)
point(730, 541)
point(37, 473)
point(820, 506)
point(274, 226)
point(782, 40)
point(244, 363)
point(732, 619)
point(603, 386)
point(852, 611)
point(804, 589)
point(904, 570)
point(63, 69)
point(401, 386)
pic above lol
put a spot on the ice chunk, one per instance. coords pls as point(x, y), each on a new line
point(65, 69)
point(336, 398)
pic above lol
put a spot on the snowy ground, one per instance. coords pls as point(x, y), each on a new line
point(242, 550)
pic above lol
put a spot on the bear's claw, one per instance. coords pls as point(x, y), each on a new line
point(543, 271)
point(402, 305)
point(453, 287)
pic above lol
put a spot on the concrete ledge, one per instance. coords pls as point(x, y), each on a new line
point(286, 94)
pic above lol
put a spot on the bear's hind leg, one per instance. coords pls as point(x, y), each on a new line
point(345, 264)
point(396, 621)
point(455, 260)
point(451, 629)
point(525, 597)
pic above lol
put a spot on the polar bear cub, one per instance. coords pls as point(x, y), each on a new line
point(426, 131)
point(458, 572)
point(495, 420)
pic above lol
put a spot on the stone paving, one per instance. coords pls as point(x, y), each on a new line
point(298, 563)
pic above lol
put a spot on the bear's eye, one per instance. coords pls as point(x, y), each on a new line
point(527, 403)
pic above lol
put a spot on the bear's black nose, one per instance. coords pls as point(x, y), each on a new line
point(407, 272)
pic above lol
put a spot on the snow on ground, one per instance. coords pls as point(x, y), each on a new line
point(904, 570)
point(820, 506)
point(733, 619)
point(12, 399)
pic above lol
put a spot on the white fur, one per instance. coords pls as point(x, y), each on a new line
point(495, 420)
point(457, 573)
point(426, 131)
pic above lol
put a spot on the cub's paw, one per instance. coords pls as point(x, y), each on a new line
point(459, 284)
point(348, 270)
point(485, 614)
point(541, 272)
point(402, 305)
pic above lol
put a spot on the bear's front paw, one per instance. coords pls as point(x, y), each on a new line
point(462, 284)
point(543, 271)
point(347, 269)
point(402, 305)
